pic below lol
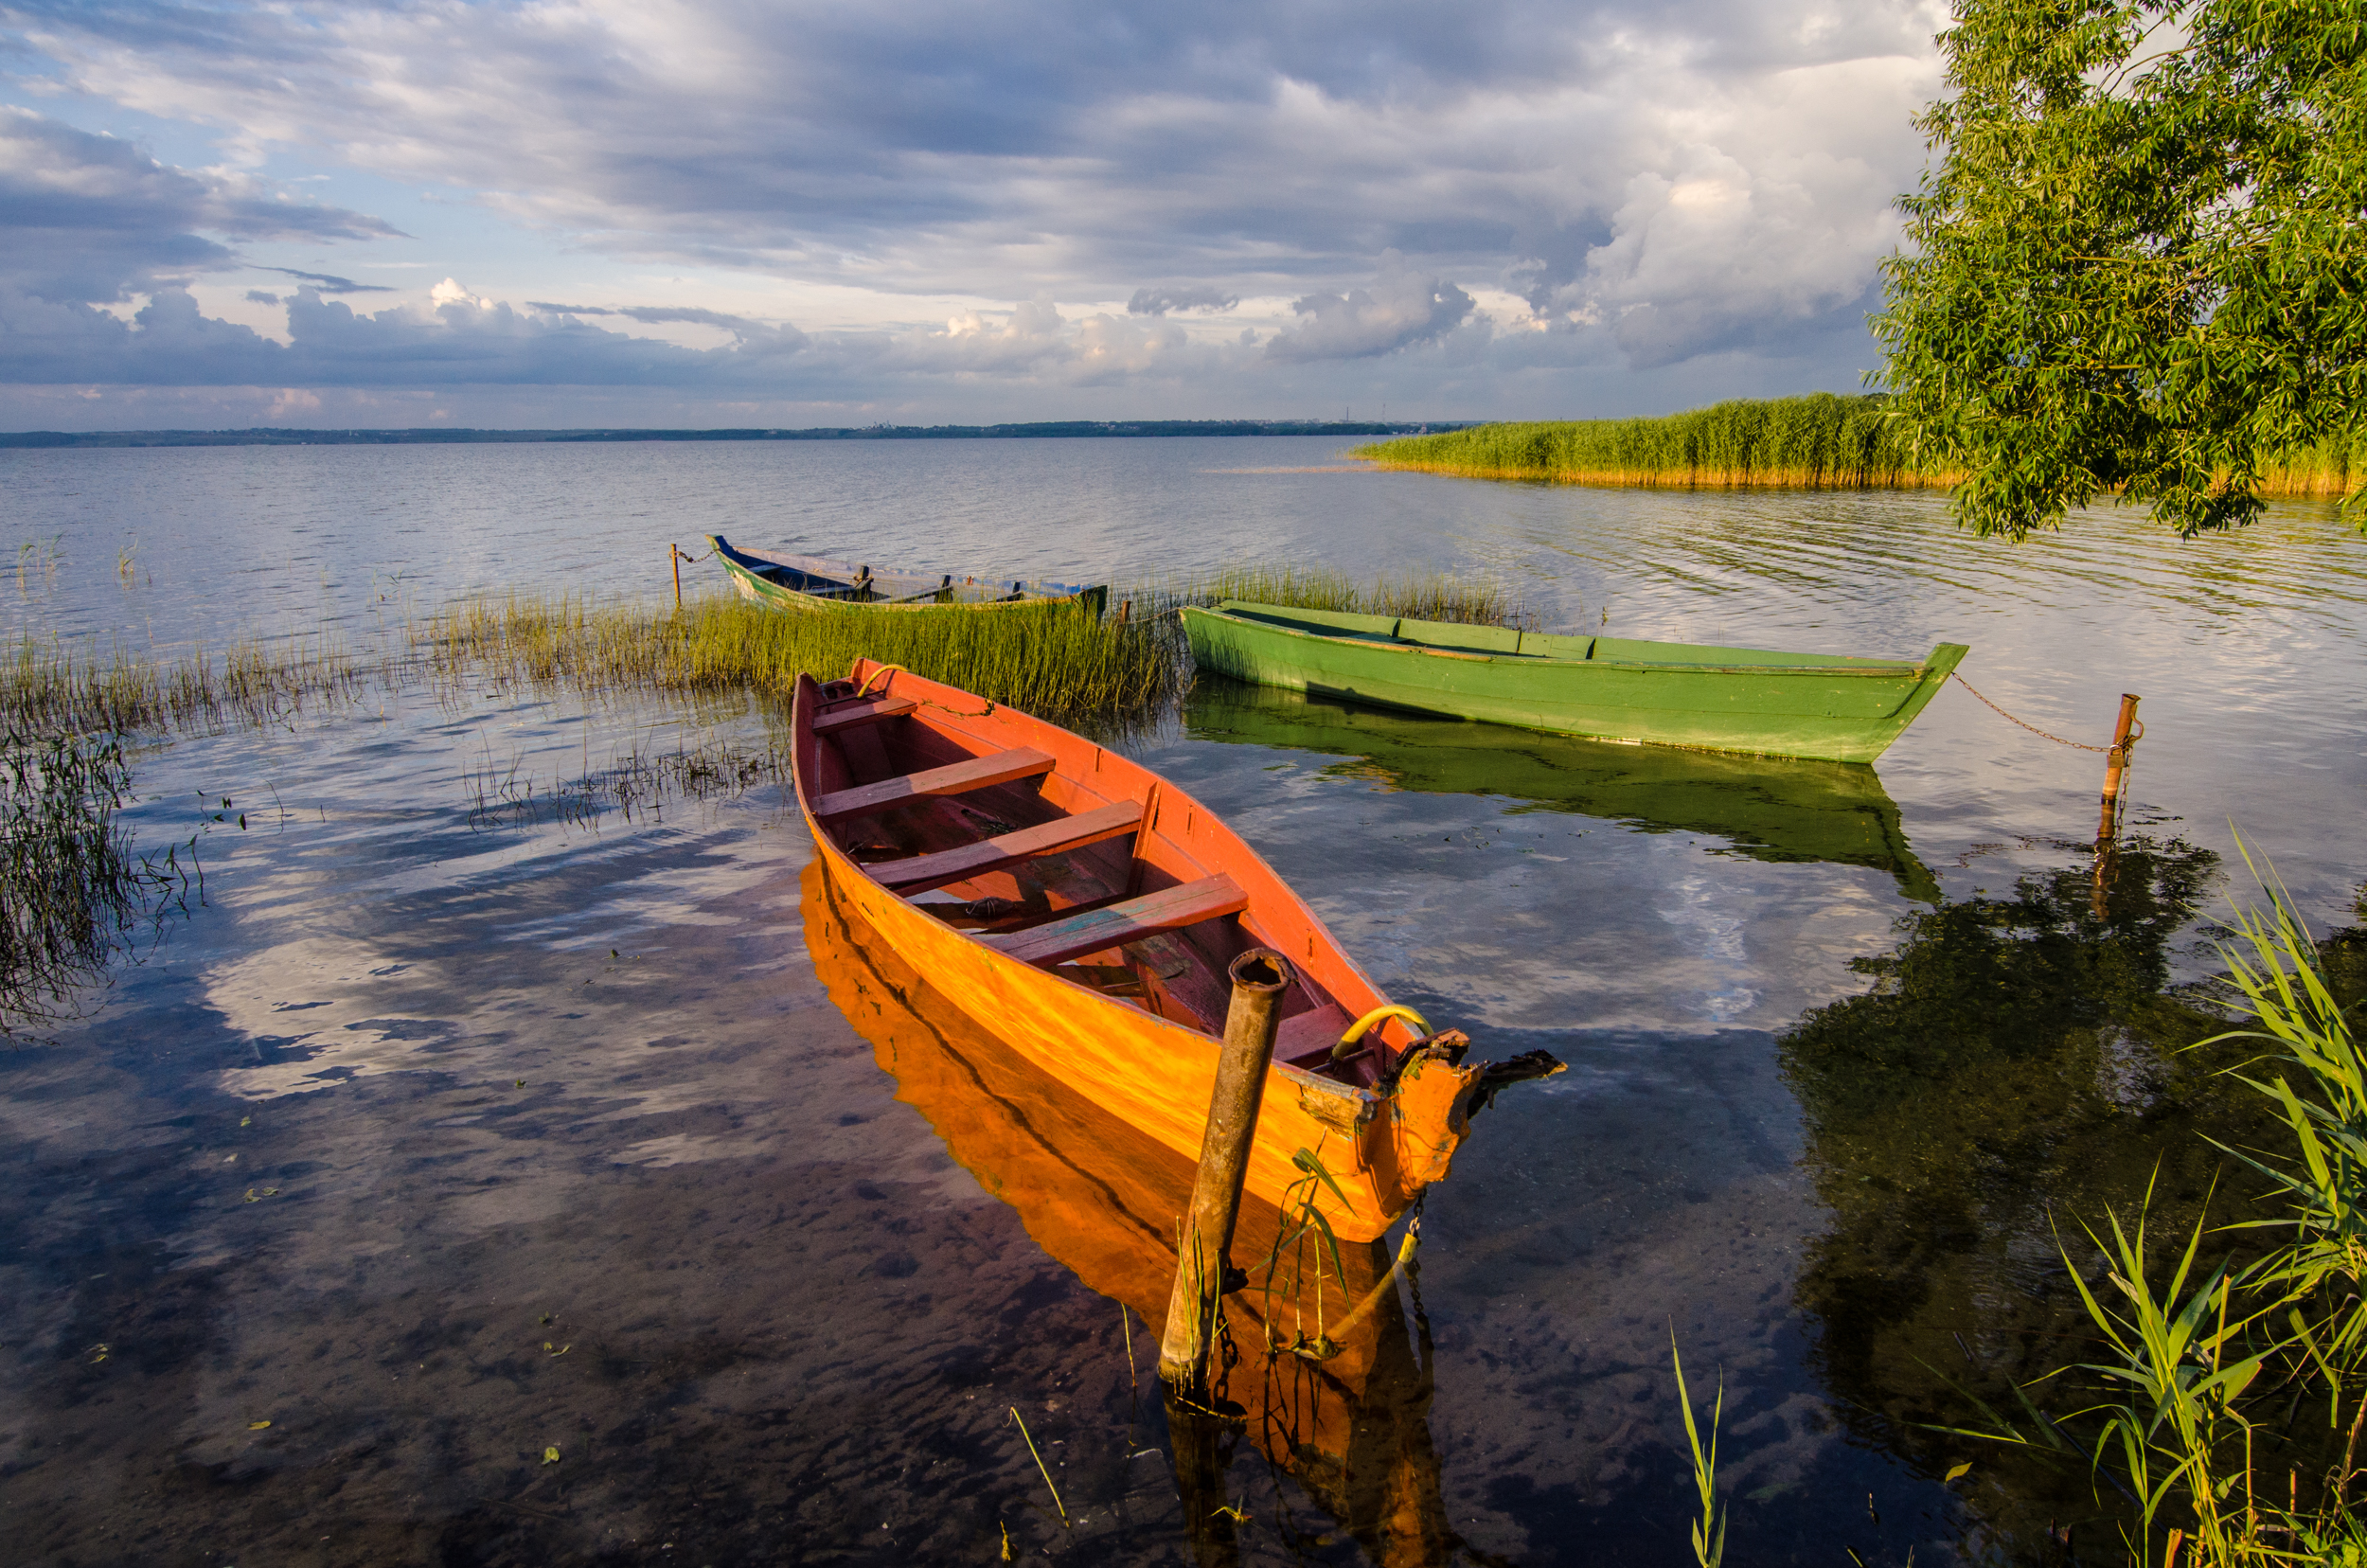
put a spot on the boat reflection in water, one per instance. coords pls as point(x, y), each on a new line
point(1768, 808)
point(1341, 1399)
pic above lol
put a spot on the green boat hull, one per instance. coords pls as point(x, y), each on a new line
point(1760, 701)
point(1782, 810)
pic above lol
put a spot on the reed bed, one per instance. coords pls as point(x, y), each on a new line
point(1822, 442)
point(1054, 661)
point(1425, 596)
point(47, 688)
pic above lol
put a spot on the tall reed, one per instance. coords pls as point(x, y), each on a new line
point(48, 688)
point(1821, 441)
point(1418, 596)
point(1056, 661)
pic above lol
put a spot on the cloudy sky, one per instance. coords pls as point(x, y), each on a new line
point(714, 212)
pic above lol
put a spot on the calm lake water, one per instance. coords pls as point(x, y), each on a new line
point(490, 1106)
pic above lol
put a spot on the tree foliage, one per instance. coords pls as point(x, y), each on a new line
point(2137, 260)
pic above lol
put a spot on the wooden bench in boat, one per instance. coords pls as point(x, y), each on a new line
point(923, 872)
point(956, 779)
point(1116, 924)
point(870, 713)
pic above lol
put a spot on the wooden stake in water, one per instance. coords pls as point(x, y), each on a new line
point(1259, 977)
point(2116, 768)
point(674, 558)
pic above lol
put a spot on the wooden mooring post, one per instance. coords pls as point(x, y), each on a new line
point(2125, 733)
point(1260, 976)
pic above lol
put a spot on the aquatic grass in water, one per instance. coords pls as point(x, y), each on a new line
point(637, 785)
point(1427, 596)
point(72, 893)
point(47, 688)
point(2201, 1374)
point(1055, 661)
point(1822, 442)
point(1817, 442)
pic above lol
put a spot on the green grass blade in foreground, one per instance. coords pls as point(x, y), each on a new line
point(1709, 1532)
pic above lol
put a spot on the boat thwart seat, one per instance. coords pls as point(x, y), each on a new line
point(979, 773)
point(920, 873)
point(1116, 924)
point(869, 713)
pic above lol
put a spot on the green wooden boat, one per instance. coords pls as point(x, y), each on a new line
point(1778, 809)
point(811, 582)
point(1761, 701)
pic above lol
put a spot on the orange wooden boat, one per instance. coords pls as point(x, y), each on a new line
point(1086, 910)
point(1328, 1383)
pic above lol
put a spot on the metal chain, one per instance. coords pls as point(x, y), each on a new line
point(2077, 746)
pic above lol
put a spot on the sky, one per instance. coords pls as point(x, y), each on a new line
point(724, 213)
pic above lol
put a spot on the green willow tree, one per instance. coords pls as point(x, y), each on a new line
point(2139, 260)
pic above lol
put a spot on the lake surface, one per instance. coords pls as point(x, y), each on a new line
point(490, 1106)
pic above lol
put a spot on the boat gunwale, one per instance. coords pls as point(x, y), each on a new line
point(1365, 1101)
point(1854, 666)
point(744, 566)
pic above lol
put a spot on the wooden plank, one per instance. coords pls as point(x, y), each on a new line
point(870, 713)
point(1120, 923)
point(923, 872)
point(958, 779)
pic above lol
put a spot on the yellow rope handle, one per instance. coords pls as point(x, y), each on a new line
point(864, 689)
point(1387, 1009)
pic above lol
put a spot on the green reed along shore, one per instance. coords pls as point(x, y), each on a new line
point(1421, 596)
point(1052, 660)
point(73, 890)
point(1822, 442)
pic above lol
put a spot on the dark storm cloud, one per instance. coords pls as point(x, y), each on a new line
point(91, 220)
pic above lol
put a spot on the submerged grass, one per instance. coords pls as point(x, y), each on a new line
point(1822, 442)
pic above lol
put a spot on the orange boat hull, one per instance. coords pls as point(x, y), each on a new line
point(1159, 1075)
point(1380, 1148)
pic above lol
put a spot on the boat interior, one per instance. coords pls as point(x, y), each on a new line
point(1101, 886)
point(859, 584)
point(1493, 642)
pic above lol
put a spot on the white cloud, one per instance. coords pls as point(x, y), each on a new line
point(1667, 185)
point(1402, 306)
